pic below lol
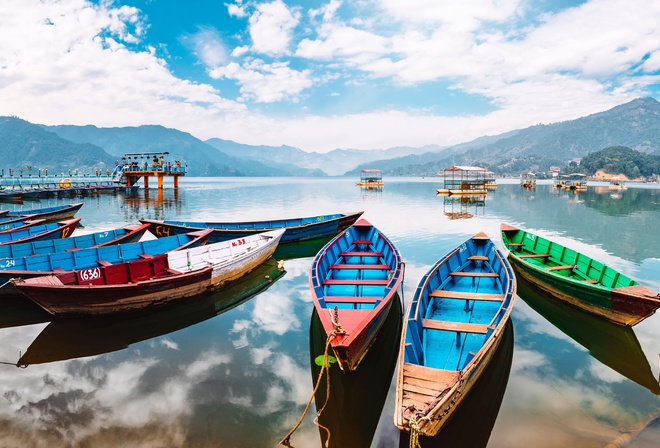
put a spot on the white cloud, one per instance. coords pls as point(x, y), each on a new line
point(271, 28)
point(208, 46)
point(266, 83)
point(236, 9)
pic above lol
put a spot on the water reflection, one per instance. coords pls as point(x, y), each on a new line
point(17, 310)
point(614, 345)
point(473, 421)
point(463, 206)
point(355, 401)
point(72, 338)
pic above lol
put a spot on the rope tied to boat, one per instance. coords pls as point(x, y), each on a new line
point(11, 280)
point(325, 371)
point(415, 430)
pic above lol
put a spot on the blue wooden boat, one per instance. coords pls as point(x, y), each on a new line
point(451, 331)
point(12, 225)
point(58, 262)
point(353, 280)
point(127, 234)
point(297, 229)
point(55, 213)
point(62, 229)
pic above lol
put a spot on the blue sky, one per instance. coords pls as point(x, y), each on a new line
point(321, 75)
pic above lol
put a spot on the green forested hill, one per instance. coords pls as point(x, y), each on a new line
point(24, 144)
point(620, 159)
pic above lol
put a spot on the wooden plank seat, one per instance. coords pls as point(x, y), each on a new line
point(478, 258)
point(442, 294)
point(560, 268)
point(459, 327)
point(362, 242)
point(473, 274)
point(534, 256)
point(355, 282)
point(590, 280)
point(515, 244)
point(361, 254)
point(104, 263)
point(360, 266)
point(351, 299)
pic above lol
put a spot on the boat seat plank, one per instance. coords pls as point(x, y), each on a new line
point(454, 326)
point(478, 258)
point(442, 294)
point(173, 271)
point(590, 280)
point(360, 254)
point(104, 263)
point(560, 268)
point(534, 256)
point(362, 242)
point(473, 274)
point(515, 244)
point(428, 374)
point(145, 256)
point(355, 282)
point(351, 299)
point(360, 266)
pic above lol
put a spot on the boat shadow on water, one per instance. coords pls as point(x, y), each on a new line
point(616, 346)
point(473, 421)
point(355, 400)
point(70, 338)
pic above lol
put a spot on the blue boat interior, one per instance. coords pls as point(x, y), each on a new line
point(457, 306)
point(59, 244)
point(19, 234)
point(89, 258)
point(357, 270)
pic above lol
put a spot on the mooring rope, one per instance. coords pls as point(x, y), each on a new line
point(8, 282)
point(325, 368)
point(415, 430)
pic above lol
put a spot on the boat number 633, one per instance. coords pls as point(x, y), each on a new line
point(90, 274)
point(238, 242)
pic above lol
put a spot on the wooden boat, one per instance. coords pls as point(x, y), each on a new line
point(12, 225)
point(353, 279)
point(371, 179)
point(50, 264)
point(127, 234)
point(578, 279)
point(229, 259)
point(297, 229)
point(451, 331)
point(62, 229)
point(115, 288)
point(55, 213)
point(151, 281)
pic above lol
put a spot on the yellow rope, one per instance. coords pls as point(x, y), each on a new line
point(413, 424)
point(325, 368)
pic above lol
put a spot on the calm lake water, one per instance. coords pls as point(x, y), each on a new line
point(236, 368)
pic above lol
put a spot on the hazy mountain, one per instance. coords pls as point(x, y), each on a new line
point(635, 125)
point(335, 162)
point(24, 144)
point(202, 159)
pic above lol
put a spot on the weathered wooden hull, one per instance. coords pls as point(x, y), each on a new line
point(62, 229)
point(604, 292)
point(50, 264)
point(65, 300)
point(297, 229)
point(229, 260)
point(446, 344)
point(56, 213)
point(353, 280)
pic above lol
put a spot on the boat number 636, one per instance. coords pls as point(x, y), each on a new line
point(90, 274)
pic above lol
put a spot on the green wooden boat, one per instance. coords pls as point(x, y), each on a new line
point(578, 279)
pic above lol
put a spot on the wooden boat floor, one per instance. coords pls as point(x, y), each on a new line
point(423, 386)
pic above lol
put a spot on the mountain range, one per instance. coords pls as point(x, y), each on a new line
point(66, 147)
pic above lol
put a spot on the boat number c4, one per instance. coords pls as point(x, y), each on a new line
point(238, 242)
point(90, 274)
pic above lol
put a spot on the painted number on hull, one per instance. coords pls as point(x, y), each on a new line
point(90, 274)
point(238, 242)
point(65, 232)
point(162, 231)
